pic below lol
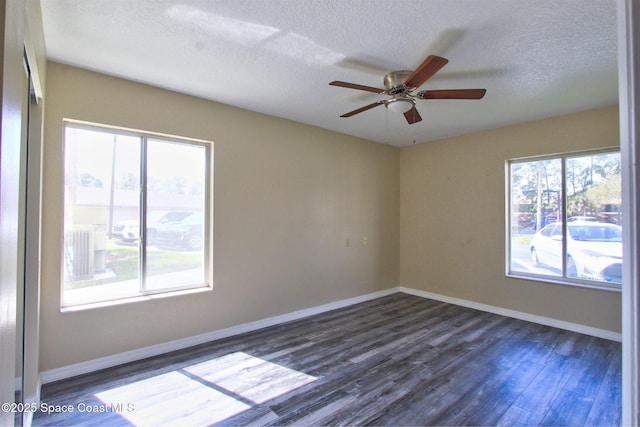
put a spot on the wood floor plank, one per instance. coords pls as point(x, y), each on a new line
point(455, 386)
point(396, 360)
point(541, 393)
point(495, 398)
point(607, 406)
point(569, 409)
point(519, 417)
point(589, 371)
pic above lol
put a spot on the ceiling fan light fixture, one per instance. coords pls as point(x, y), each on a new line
point(399, 105)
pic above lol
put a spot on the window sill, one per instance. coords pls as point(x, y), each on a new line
point(559, 281)
point(133, 299)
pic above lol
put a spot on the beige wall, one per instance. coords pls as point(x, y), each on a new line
point(452, 223)
point(287, 196)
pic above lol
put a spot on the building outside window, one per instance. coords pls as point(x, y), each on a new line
point(564, 217)
point(136, 214)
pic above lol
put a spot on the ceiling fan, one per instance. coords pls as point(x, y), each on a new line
point(401, 84)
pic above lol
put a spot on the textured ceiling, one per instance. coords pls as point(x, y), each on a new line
point(535, 58)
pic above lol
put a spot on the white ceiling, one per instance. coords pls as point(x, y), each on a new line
point(535, 58)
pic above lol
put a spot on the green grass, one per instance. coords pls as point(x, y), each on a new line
point(522, 240)
point(123, 261)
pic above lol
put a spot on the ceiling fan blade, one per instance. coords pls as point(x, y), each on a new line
point(357, 86)
point(361, 109)
point(425, 71)
point(452, 94)
point(412, 116)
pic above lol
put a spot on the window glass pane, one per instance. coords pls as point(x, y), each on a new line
point(594, 241)
point(101, 206)
point(108, 254)
point(536, 217)
point(587, 247)
point(176, 184)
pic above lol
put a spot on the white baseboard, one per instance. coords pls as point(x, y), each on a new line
point(547, 321)
point(155, 350)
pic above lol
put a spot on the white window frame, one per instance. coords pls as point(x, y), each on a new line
point(145, 293)
point(562, 280)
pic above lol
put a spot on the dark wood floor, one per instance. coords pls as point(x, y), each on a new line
point(397, 360)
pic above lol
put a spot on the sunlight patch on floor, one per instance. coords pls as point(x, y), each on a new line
point(204, 393)
point(163, 399)
point(250, 377)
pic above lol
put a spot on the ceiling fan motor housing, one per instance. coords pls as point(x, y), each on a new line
point(394, 81)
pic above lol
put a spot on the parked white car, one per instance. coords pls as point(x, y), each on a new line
point(594, 249)
point(129, 231)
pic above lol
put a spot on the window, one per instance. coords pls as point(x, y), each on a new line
point(136, 214)
point(564, 219)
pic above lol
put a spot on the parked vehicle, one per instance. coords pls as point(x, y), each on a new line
point(129, 231)
point(187, 233)
point(594, 249)
point(582, 218)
